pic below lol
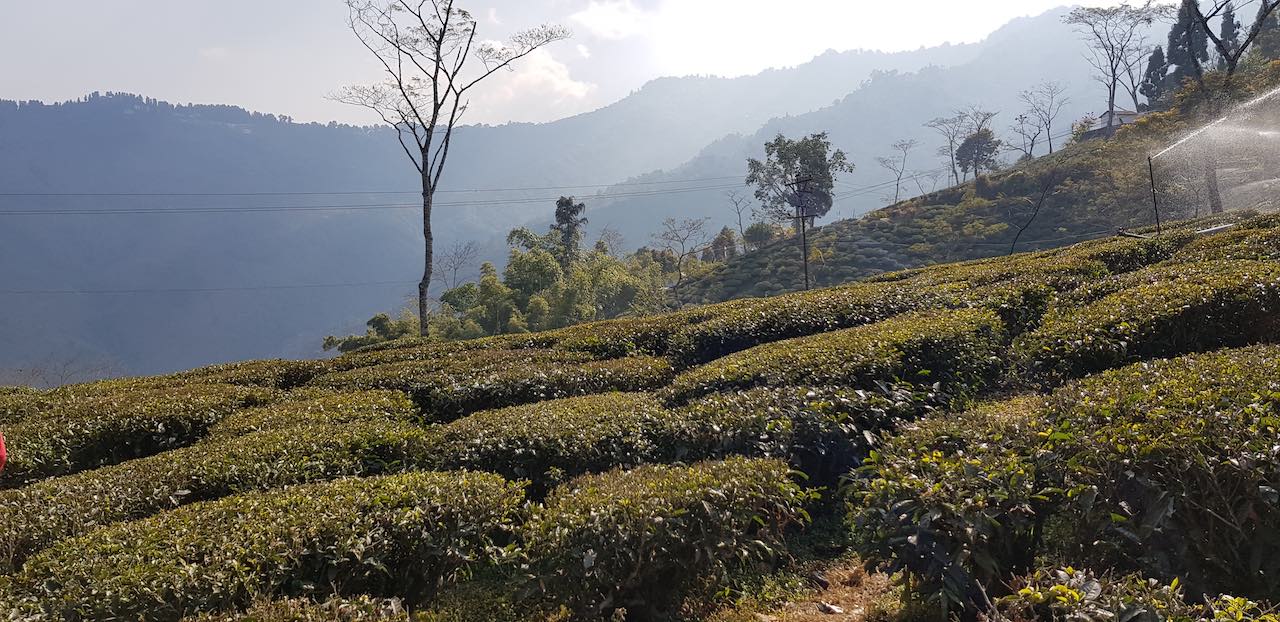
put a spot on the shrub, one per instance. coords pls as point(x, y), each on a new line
point(1173, 310)
point(1174, 468)
point(1259, 244)
point(1123, 254)
point(275, 374)
point(450, 389)
point(548, 441)
point(1070, 594)
point(52, 510)
point(627, 336)
point(953, 501)
point(636, 539)
point(750, 323)
point(360, 609)
point(1168, 468)
point(397, 534)
point(956, 348)
point(323, 409)
point(415, 350)
point(71, 432)
point(823, 431)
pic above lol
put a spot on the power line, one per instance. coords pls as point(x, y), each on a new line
point(198, 290)
point(337, 208)
point(355, 192)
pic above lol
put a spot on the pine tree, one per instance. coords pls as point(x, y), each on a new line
point(1188, 50)
point(1230, 34)
point(1268, 41)
point(1153, 84)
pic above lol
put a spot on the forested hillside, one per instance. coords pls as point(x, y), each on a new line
point(983, 429)
point(893, 107)
point(1086, 190)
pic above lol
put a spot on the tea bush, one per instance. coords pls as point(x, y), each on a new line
point(322, 409)
point(450, 389)
point(954, 501)
point(822, 431)
point(360, 609)
point(636, 539)
point(1174, 467)
point(276, 374)
point(548, 441)
point(400, 534)
point(627, 336)
point(956, 348)
point(52, 510)
point(1071, 594)
point(1168, 468)
point(753, 322)
point(1167, 311)
point(71, 432)
point(1259, 244)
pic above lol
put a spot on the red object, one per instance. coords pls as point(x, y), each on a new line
point(2, 455)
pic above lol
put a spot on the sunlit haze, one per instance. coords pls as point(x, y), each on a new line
point(284, 56)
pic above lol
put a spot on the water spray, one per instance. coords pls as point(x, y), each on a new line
point(1206, 128)
point(1155, 199)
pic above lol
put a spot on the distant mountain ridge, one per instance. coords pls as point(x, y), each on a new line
point(671, 129)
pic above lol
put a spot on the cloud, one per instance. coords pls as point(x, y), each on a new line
point(541, 88)
point(612, 19)
point(584, 51)
point(493, 16)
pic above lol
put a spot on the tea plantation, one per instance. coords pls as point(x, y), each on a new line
point(1089, 433)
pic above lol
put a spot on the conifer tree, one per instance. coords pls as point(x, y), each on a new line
point(1153, 83)
point(1188, 49)
point(1230, 35)
point(1268, 43)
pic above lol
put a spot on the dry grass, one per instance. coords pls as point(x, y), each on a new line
point(852, 595)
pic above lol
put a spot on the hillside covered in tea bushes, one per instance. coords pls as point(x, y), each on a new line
point(1085, 433)
point(1084, 191)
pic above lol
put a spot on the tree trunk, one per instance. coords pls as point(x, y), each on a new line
point(1211, 179)
point(1111, 107)
point(428, 247)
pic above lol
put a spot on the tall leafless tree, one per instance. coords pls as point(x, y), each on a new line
point(610, 241)
point(683, 238)
point(1117, 44)
point(742, 208)
point(1229, 53)
point(431, 57)
point(1029, 131)
point(1045, 102)
point(952, 130)
point(897, 164)
point(460, 256)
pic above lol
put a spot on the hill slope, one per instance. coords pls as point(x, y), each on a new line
point(1088, 190)
point(664, 456)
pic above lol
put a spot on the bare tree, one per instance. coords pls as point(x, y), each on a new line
point(1028, 129)
point(61, 370)
point(1117, 45)
point(682, 237)
point(898, 165)
point(977, 119)
point(453, 261)
point(610, 241)
point(1045, 102)
point(1227, 51)
point(933, 176)
point(952, 130)
point(426, 49)
point(742, 207)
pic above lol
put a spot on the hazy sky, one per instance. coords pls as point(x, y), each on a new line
point(283, 56)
